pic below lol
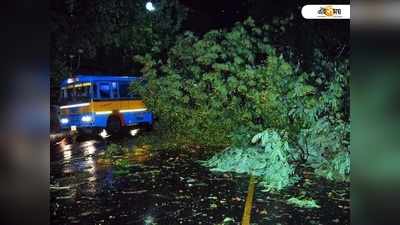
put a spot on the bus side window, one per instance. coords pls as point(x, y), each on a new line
point(94, 90)
point(124, 90)
point(114, 90)
point(104, 90)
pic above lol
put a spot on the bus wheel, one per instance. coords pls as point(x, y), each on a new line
point(148, 126)
point(113, 125)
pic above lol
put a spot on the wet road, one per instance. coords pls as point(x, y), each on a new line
point(170, 187)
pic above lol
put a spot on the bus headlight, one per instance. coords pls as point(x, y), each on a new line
point(64, 120)
point(86, 118)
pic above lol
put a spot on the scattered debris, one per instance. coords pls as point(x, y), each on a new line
point(303, 203)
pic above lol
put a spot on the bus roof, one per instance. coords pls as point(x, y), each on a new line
point(93, 78)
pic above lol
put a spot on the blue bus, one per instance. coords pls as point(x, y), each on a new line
point(93, 104)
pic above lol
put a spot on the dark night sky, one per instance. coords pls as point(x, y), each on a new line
point(305, 36)
point(205, 15)
point(213, 14)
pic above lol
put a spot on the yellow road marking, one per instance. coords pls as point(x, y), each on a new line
point(249, 202)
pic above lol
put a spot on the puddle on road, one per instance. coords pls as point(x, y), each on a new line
point(140, 154)
point(169, 187)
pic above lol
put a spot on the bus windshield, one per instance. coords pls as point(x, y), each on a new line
point(75, 93)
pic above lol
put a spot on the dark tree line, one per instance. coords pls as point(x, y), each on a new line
point(103, 36)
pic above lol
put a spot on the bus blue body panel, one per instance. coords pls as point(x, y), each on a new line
point(100, 121)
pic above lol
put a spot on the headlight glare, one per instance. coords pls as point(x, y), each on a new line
point(86, 118)
point(64, 120)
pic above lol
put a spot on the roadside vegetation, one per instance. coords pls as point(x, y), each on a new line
point(234, 88)
point(303, 203)
point(267, 98)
